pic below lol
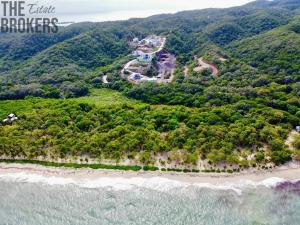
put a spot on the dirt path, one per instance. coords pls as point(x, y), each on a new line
point(204, 65)
point(125, 68)
point(128, 65)
point(161, 47)
point(290, 139)
point(186, 72)
point(213, 68)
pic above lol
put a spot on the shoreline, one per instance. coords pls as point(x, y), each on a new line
point(289, 172)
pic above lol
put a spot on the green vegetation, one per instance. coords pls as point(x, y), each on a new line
point(150, 168)
point(296, 145)
point(277, 51)
point(73, 165)
point(296, 142)
point(51, 128)
point(240, 118)
point(66, 69)
point(67, 64)
point(105, 97)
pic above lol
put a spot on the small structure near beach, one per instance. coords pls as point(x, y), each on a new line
point(10, 118)
point(298, 129)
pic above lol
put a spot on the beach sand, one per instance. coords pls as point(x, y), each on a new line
point(289, 172)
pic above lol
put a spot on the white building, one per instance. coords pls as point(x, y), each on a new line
point(10, 118)
point(153, 40)
point(135, 40)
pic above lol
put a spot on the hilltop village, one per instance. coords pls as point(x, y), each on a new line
point(152, 62)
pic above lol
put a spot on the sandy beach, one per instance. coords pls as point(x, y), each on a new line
point(289, 172)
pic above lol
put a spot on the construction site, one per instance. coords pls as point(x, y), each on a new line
point(152, 62)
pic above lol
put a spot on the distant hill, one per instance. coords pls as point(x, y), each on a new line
point(276, 51)
point(78, 51)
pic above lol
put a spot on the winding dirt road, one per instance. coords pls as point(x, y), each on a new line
point(125, 68)
point(204, 65)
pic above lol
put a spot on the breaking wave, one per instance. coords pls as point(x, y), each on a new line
point(154, 183)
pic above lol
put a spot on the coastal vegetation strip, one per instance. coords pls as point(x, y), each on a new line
point(74, 165)
point(103, 126)
point(114, 167)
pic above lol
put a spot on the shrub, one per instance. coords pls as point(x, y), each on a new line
point(150, 168)
point(281, 157)
point(260, 156)
point(296, 142)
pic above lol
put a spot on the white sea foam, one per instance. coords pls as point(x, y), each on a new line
point(244, 183)
point(36, 178)
point(271, 182)
point(154, 183)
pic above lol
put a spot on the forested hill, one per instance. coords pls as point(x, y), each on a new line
point(243, 114)
point(32, 63)
point(273, 52)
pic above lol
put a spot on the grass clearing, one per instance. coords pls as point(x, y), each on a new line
point(105, 97)
point(98, 97)
point(14, 106)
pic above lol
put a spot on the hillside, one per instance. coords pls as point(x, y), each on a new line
point(14, 47)
point(239, 116)
point(77, 51)
point(68, 61)
point(273, 52)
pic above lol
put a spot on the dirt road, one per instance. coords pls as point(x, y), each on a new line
point(204, 65)
point(134, 61)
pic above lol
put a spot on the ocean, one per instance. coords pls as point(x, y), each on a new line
point(35, 200)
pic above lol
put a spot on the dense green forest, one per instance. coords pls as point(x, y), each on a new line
point(97, 128)
point(242, 117)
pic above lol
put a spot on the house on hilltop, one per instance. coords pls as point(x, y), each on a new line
point(153, 40)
